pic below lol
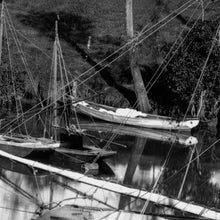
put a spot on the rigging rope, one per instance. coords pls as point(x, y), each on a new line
point(123, 53)
point(114, 135)
point(198, 156)
point(20, 192)
point(18, 44)
point(13, 79)
point(90, 196)
point(48, 56)
point(109, 142)
point(36, 181)
point(152, 80)
point(169, 153)
point(167, 159)
point(187, 170)
point(193, 2)
point(202, 72)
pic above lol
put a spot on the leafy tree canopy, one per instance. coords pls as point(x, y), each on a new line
point(183, 71)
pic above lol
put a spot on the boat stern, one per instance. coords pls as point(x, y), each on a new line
point(190, 123)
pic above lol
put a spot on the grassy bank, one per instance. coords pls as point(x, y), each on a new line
point(104, 22)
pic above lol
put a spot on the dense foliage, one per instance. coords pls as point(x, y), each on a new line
point(187, 66)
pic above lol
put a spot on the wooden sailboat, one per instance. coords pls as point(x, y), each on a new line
point(87, 153)
point(127, 116)
point(22, 146)
point(19, 144)
point(17, 141)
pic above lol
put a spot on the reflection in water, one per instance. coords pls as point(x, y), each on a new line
point(135, 155)
point(13, 200)
point(24, 191)
point(215, 179)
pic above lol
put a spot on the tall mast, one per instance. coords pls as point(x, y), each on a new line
point(55, 51)
point(1, 30)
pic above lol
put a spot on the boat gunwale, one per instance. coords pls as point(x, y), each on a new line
point(136, 121)
point(148, 116)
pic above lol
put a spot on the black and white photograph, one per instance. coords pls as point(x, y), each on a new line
point(110, 109)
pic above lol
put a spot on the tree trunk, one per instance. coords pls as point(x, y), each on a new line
point(140, 91)
point(129, 18)
point(105, 73)
point(139, 87)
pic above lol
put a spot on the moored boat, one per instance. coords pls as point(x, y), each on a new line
point(23, 146)
point(19, 135)
point(127, 116)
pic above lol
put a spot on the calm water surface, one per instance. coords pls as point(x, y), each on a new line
point(24, 190)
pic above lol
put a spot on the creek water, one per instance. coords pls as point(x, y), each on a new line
point(138, 163)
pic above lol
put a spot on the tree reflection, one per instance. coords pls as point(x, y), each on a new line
point(198, 187)
point(135, 156)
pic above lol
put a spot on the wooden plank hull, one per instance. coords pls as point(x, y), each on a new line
point(21, 152)
point(22, 146)
point(143, 120)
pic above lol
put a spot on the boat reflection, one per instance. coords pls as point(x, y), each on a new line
point(177, 138)
point(137, 166)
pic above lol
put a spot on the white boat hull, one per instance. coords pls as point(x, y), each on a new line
point(144, 120)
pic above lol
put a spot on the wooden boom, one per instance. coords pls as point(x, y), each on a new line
point(117, 188)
